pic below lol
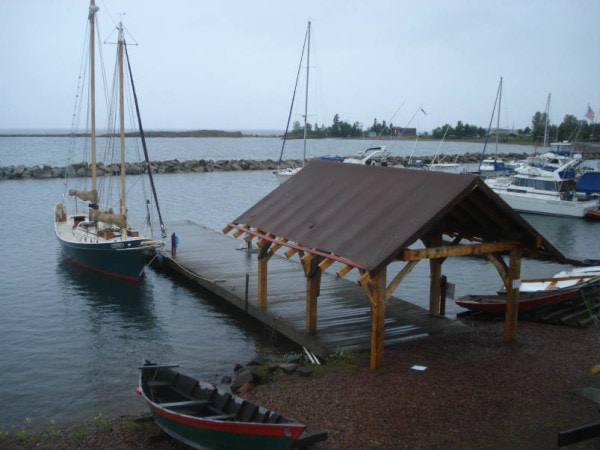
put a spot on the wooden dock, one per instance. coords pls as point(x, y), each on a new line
point(222, 265)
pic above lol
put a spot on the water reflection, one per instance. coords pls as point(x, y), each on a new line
point(575, 238)
point(105, 295)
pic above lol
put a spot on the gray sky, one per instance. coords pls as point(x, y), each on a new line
point(232, 64)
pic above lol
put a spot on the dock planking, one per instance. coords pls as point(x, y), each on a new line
point(222, 265)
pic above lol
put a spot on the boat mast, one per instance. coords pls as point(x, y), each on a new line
point(92, 19)
point(163, 229)
point(487, 135)
point(122, 125)
point(287, 127)
point(306, 93)
point(498, 120)
point(547, 112)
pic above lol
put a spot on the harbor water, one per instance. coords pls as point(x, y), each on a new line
point(72, 340)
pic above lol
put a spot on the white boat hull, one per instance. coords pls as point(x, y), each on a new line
point(540, 204)
point(285, 174)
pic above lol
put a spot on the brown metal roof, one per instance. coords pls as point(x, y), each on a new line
point(368, 215)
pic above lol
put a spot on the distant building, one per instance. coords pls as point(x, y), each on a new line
point(404, 132)
point(503, 132)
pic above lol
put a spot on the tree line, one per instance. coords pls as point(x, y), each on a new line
point(570, 129)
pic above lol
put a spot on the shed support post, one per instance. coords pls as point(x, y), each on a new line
point(378, 297)
point(513, 282)
point(263, 258)
point(434, 240)
point(435, 286)
point(262, 282)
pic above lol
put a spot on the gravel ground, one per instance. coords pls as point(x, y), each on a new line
point(476, 393)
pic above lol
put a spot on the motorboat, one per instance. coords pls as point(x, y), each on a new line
point(545, 184)
point(372, 156)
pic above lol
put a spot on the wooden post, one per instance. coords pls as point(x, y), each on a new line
point(435, 288)
point(262, 282)
point(378, 300)
point(263, 258)
point(435, 271)
point(513, 282)
point(312, 272)
point(443, 292)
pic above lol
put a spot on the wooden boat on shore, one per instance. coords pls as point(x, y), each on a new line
point(537, 292)
point(497, 303)
point(205, 417)
point(566, 279)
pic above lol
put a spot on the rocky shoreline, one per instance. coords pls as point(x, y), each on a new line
point(82, 169)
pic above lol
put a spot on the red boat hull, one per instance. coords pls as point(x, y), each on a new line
point(592, 214)
point(497, 303)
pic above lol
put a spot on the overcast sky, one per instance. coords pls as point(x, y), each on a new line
point(232, 64)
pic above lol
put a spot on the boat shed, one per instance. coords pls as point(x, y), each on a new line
point(366, 217)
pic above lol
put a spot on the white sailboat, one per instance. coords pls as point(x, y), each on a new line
point(491, 166)
point(438, 165)
point(93, 228)
point(285, 173)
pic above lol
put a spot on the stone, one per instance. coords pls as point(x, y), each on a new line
point(242, 377)
point(246, 387)
point(288, 368)
point(305, 371)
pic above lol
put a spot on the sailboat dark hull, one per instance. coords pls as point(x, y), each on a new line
point(125, 260)
point(116, 257)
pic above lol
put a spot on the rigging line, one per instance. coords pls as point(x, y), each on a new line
point(438, 149)
point(287, 127)
point(392, 118)
point(410, 120)
point(487, 135)
point(143, 138)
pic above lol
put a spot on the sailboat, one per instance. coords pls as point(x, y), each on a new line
point(490, 166)
point(437, 163)
point(285, 173)
point(92, 227)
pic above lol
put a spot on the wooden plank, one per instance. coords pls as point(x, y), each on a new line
point(219, 263)
point(184, 404)
point(458, 250)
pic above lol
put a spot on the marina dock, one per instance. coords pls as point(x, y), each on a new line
point(225, 267)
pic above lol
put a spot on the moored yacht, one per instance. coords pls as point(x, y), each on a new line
point(544, 184)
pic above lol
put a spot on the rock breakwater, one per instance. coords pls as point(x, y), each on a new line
point(175, 166)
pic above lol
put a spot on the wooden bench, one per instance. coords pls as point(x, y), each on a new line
point(158, 366)
point(220, 417)
point(184, 404)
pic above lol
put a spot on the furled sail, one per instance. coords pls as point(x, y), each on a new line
point(113, 219)
point(86, 196)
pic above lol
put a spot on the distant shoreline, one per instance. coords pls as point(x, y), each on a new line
point(241, 134)
point(149, 134)
point(236, 134)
